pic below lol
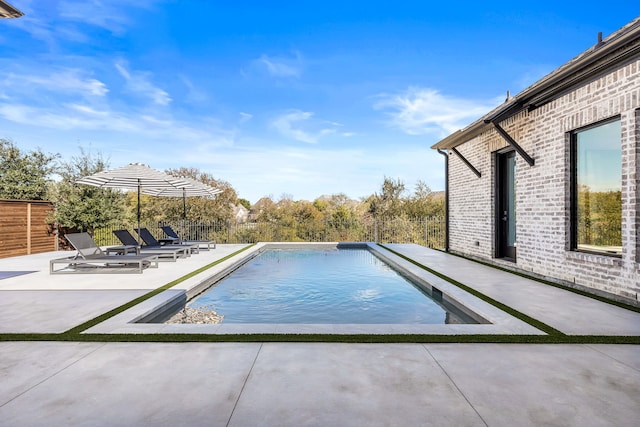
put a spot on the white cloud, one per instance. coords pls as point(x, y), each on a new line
point(64, 81)
point(419, 111)
point(73, 102)
point(62, 20)
point(194, 94)
point(35, 25)
point(281, 67)
point(138, 82)
point(110, 15)
point(85, 109)
point(285, 125)
point(301, 126)
point(79, 117)
point(245, 117)
point(310, 171)
point(107, 15)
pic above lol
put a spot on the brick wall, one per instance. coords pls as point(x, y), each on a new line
point(543, 190)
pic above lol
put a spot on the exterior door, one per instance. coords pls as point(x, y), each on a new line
point(506, 205)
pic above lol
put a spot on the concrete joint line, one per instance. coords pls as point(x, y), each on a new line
point(613, 358)
point(455, 385)
point(244, 383)
point(64, 368)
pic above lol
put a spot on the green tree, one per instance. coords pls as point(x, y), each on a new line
point(388, 203)
point(245, 203)
point(424, 203)
point(200, 209)
point(82, 207)
point(265, 210)
point(24, 176)
point(599, 217)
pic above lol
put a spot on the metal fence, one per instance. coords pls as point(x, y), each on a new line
point(428, 232)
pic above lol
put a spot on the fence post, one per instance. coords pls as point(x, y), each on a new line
point(325, 229)
point(28, 228)
point(375, 229)
point(426, 232)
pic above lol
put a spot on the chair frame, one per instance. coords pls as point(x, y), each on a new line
point(174, 236)
point(150, 240)
point(164, 253)
point(90, 258)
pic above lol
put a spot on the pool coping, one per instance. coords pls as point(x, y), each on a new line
point(501, 323)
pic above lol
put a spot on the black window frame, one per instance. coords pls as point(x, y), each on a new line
point(573, 187)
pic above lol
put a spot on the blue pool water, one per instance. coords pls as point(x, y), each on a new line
point(321, 286)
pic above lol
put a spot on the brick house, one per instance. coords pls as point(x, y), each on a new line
point(547, 183)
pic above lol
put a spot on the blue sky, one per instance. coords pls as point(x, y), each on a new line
point(297, 98)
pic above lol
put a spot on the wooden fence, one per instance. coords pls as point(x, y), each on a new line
point(24, 229)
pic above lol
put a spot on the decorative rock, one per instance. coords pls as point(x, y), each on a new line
point(196, 316)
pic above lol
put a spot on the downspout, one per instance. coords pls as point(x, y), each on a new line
point(446, 199)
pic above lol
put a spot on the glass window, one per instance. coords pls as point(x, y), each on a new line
point(597, 189)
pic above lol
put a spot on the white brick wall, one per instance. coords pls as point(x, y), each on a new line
point(542, 191)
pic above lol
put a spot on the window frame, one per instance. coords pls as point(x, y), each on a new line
point(573, 186)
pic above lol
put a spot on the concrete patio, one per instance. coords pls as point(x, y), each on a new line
point(293, 384)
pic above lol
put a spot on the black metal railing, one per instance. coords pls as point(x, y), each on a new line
point(429, 232)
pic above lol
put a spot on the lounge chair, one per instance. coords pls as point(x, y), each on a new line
point(150, 240)
point(92, 259)
point(164, 253)
point(177, 239)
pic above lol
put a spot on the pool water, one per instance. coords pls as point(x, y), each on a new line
point(318, 286)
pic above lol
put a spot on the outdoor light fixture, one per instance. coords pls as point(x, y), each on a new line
point(8, 11)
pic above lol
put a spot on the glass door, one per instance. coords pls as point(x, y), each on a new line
point(506, 205)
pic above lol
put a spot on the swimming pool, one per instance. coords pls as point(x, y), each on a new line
point(324, 286)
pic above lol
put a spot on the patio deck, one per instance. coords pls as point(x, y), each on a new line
point(293, 384)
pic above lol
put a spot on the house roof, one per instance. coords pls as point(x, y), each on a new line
point(620, 47)
point(8, 11)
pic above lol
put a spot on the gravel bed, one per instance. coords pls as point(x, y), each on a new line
point(196, 316)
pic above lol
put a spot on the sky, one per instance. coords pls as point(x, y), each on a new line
point(294, 99)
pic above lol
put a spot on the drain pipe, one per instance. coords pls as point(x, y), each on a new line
point(446, 198)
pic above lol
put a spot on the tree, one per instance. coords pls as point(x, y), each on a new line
point(265, 210)
point(245, 203)
point(220, 208)
point(599, 217)
point(424, 203)
point(390, 200)
point(337, 208)
point(82, 207)
point(24, 176)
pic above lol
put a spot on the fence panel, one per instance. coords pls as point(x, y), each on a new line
point(428, 232)
point(24, 229)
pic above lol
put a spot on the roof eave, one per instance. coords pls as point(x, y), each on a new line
point(8, 11)
point(623, 45)
point(461, 136)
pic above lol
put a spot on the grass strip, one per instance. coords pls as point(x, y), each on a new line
point(550, 283)
point(329, 338)
point(86, 325)
point(515, 313)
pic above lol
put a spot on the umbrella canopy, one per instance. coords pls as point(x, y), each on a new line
point(134, 176)
point(194, 189)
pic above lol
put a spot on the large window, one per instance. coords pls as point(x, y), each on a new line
point(596, 160)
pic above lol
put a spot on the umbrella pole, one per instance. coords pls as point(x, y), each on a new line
point(184, 204)
point(184, 212)
point(139, 185)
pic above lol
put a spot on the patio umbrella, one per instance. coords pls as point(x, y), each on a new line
point(134, 176)
point(193, 189)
